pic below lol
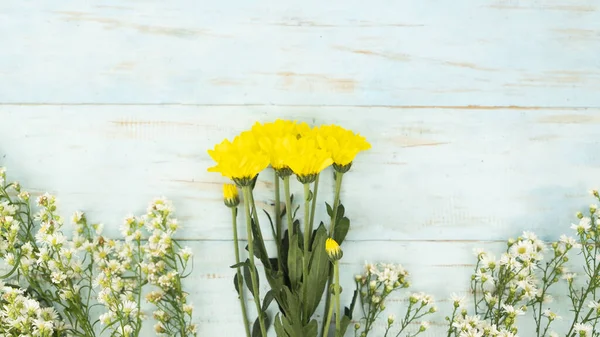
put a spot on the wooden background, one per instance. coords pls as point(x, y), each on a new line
point(483, 116)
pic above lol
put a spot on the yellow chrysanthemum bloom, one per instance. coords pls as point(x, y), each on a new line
point(342, 144)
point(240, 160)
point(333, 250)
point(230, 195)
point(307, 159)
point(277, 140)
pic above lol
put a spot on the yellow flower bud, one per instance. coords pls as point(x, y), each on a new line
point(230, 195)
point(333, 250)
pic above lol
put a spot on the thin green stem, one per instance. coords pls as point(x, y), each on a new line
point(338, 318)
point(247, 199)
point(451, 328)
point(278, 219)
point(328, 320)
point(288, 206)
point(314, 201)
point(336, 203)
point(307, 232)
point(240, 281)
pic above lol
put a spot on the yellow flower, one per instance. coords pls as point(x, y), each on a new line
point(342, 144)
point(230, 195)
point(333, 250)
point(307, 159)
point(277, 140)
point(240, 160)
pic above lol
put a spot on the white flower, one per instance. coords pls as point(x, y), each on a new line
point(522, 250)
point(569, 276)
point(77, 217)
point(551, 315)
point(569, 241)
point(130, 308)
point(583, 226)
point(479, 252)
point(512, 310)
point(582, 329)
point(594, 305)
point(458, 301)
point(424, 326)
point(529, 236)
point(186, 253)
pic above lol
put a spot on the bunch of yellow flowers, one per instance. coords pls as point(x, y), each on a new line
point(289, 147)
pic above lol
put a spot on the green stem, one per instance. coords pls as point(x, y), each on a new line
point(247, 198)
point(338, 318)
point(278, 220)
point(314, 201)
point(336, 204)
point(328, 320)
point(239, 273)
point(307, 233)
point(288, 206)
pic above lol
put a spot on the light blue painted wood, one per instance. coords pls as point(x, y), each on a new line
point(483, 116)
point(431, 174)
point(417, 52)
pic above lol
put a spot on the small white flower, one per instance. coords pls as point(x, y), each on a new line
point(583, 226)
point(582, 329)
point(551, 315)
point(569, 276)
point(458, 301)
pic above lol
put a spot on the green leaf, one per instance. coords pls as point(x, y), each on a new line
point(256, 326)
point(316, 280)
point(253, 183)
point(329, 209)
point(348, 311)
point(259, 245)
point(241, 264)
point(341, 229)
point(294, 262)
point(271, 222)
point(310, 330)
point(248, 277)
point(345, 321)
point(347, 318)
point(269, 297)
point(279, 330)
point(235, 282)
point(291, 319)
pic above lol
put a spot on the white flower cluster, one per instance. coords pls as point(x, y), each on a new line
point(388, 275)
point(514, 276)
point(69, 274)
point(512, 284)
point(21, 315)
point(474, 326)
point(376, 284)
point(165, 265)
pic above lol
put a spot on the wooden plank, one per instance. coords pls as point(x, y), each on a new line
point(432, 174)
point(416, 52)
point(440, 269)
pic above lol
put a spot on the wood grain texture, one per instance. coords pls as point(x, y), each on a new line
point(416, 52)
point(431, 174)
point(483, 117)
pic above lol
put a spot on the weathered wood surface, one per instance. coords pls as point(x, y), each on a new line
point(412, 52)
point(483, 116)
